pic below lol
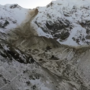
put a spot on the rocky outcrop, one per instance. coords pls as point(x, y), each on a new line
point(67, 22)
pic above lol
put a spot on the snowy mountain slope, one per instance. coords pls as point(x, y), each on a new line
point(19, 71)
point(15, 22)
point(24, 35)
point(70, 64)
point(66, 21)
point(11, 16)
point(45, 64)
point(62, 68)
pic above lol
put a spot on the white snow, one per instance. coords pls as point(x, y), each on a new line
point(77, 11)
point(15, 16)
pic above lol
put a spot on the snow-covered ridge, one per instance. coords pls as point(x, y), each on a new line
point(11, 16)
point(30, 61)
point(66, 21)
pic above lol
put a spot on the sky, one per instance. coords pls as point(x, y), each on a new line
point(26, 3)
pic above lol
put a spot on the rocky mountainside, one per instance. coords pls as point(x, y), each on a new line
point(19, 71)
point(66, 21)
point(46, 48)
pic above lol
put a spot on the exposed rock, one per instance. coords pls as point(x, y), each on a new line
point(88, 37)
point(19, 74)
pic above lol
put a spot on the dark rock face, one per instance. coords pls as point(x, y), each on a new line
point(11, 53)
point(88, 37)
point(58, 25)
point(64, 35)
point(3, 25)
point(19, 71)
point(60, 29)
point(14, 6)
point(65, 23)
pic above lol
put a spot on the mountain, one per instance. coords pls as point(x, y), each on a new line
point(66, 21)
point(19, 71)
point(46, 48)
